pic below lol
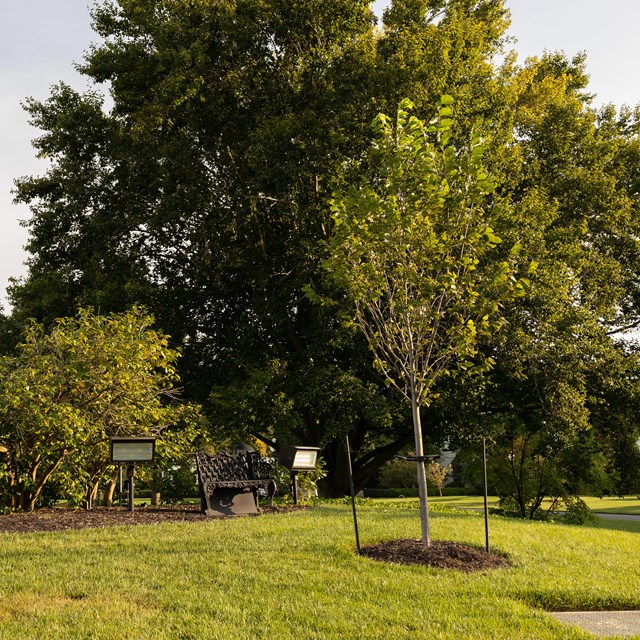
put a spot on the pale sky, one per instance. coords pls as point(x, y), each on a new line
point(41, 39)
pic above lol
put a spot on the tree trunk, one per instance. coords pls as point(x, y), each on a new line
point(28, 501)
point(28, 498)
point(90, 495)
point(108, 494)
point(336, 483)
point(422, 476)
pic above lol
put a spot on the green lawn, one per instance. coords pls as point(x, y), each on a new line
point(628, 504)
point(463, 502)
point(296, 576)
point(620, 525)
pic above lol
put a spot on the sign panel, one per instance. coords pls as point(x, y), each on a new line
point(305, 459)
point(132, 449)
point(298, 458)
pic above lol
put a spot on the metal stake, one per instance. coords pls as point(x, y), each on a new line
point(120, 483)
point(353, 494)
point(130, 474)
point(486, 502)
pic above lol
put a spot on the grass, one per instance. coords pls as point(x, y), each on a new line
point(629, 505)
point(296, 575)
point(463, 502)
point(620, 525)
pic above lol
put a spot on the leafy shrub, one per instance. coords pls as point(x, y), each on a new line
point(51, 494)
point(510, 508)
point(176, 484)
point(398, 474)
point(403, 474)
point(577, 511)
point(307, 481)
point(397, 492)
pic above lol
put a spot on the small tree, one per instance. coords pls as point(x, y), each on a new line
point(401, 474)
point(414, 250)
point(68, 391)
point(437, 474)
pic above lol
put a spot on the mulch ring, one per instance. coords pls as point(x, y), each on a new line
point(61, 518)
point(440, 554)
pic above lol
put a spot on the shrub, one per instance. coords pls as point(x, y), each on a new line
point(176, 484)
point(577, 511)
point(307, 481)
point(402, 474)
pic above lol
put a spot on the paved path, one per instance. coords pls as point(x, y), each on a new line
point(617, 516)
point(603, 623)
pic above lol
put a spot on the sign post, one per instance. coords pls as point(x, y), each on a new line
point(132, 450)
point(353, 493)
point(298, 459)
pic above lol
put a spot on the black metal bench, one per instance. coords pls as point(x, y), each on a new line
point(229, 482)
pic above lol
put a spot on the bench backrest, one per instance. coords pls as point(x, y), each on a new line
point(231, 467)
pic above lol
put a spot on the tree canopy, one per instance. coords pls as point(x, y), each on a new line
point(200, 189)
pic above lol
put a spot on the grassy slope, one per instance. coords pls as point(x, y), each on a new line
point(296, 576)
point(628, 505)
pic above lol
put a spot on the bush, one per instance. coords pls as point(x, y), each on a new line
point(176, 484)
point(307, 481)
point(412, 492)
point(577, 511)
point(398, 474)
point(459, 491)
point(402, 474)
point(69, 389)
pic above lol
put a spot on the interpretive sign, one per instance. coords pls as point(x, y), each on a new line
point(299, 458)
point(133, 449)
point(130, 451)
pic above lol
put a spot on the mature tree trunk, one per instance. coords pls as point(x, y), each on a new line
point(336, 484)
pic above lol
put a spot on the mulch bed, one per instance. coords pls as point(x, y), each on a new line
point(61, 519)
point(439, 554)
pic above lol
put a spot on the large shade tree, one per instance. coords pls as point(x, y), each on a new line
point(200, 189)
point(564, 378)
point(203, 191)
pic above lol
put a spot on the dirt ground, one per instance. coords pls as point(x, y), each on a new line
point(440, 554)
point(61, 519)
